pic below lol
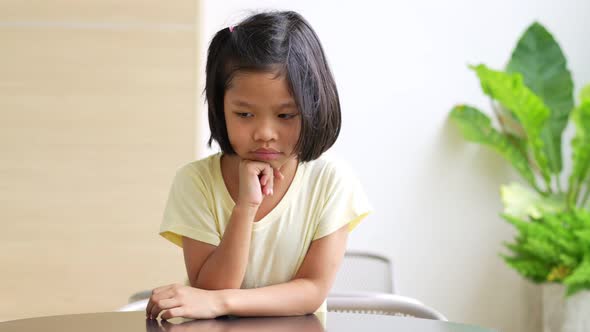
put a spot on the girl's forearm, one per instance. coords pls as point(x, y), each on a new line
point(226, 266)
point(296, 297)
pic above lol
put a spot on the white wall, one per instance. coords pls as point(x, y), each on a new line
point(400, 67)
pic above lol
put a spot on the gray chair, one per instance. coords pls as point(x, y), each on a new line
point(365, 284)
point(364, 271)
point(382, 304)
point(138, 305)
point(140, 296)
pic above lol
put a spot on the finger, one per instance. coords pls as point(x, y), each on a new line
point(277, 174)
point(266, 173)
point(150, 304)
point(158, 294)
point(271, 180)
point(148, 308)
point(263, 180)
point(164, 304)
point(174, 312)
point(162, 288)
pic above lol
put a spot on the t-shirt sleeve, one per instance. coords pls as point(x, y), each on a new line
point(345, 201)
point(188, 210)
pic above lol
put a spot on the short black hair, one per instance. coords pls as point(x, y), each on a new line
point(267, 42)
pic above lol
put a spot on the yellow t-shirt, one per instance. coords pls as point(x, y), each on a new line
point(324, 196)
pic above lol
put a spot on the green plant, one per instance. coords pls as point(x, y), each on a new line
point(553, 248)
point(532, 101)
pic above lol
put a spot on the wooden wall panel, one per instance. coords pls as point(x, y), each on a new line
point(97, 110)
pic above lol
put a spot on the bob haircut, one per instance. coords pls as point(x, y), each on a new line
point(285, 43)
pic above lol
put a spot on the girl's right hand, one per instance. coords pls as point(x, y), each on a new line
point(256, 181)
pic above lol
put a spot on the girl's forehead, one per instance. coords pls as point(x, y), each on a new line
point(245, 77)
point(258, 85)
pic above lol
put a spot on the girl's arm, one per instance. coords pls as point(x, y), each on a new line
point(224, 266)
point(302, 295)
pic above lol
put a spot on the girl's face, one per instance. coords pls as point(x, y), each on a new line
point(263, 122)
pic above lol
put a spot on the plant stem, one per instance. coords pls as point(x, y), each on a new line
point(559, 188)
point(497, 114)
point(538, 190)
point(586, 197)
point(575, 193)
point(548, 184)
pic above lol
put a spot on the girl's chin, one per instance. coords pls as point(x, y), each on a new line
point(276, 163)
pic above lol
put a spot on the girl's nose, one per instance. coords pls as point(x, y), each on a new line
point(264, 131)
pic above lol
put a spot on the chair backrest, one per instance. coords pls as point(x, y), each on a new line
point(142, 295)
point(139, 305)
point(383, 304)
point(363, 271)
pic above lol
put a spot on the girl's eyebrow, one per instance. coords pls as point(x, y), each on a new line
point(240, 103)
point(287, 104)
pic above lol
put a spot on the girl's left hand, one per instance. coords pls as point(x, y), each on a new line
point(184, 301)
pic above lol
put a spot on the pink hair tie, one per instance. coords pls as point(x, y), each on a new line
point(231, 28)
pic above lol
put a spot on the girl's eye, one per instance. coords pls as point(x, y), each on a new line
point(244, 114)
point(287, 116)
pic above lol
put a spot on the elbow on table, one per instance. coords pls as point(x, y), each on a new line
point(315, 297)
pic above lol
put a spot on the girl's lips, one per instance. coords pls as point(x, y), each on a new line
point(266, 154)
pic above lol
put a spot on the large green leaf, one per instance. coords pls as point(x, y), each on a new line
point(522, 202)
point(510, 91)
point(477, 127)
point(584, 98)
point(585, 93)
point(580, 151)
point(541, 62)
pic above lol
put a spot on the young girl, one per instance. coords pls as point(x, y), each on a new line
point(263, 224)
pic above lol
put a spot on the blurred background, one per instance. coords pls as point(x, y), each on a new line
point(101, 102)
